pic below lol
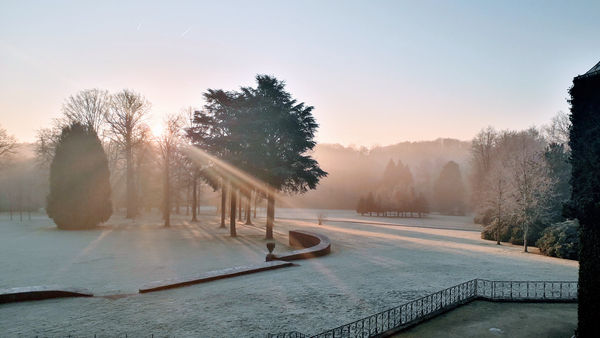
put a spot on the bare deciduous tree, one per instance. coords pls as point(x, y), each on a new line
point(7, 144)
point(168, 143)
point(482, 151)
point(558, 130)
point(194, 170)
point(45, 144)
point(88, 107)
point(497, 196)
point(532, 184)
point(125, 121)
point(144, 161)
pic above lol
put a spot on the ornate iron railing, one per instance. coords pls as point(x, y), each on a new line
point(291, 334)
point(409, 314)
point(527, 291)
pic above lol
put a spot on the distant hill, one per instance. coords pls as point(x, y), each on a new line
point(354, 171)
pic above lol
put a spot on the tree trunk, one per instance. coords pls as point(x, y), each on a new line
point(233, 210)
point(239, 206)
point(247, 210)
point(525, 238)
point(498, 221)
point(131, 195)
point(194, 198)
point(270, 214)
point(198, 198)
point(187, 201)
point(255, 199)
point(498, 232)
point(167, 195)
point(223, 202)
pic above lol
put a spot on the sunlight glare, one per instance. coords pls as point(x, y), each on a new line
point(156, 130)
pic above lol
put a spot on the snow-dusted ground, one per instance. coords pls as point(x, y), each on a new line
point(121, 255)
point(373, 266)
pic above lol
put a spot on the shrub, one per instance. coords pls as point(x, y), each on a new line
point(511, 231)
point(489, 232)
point(560, 240)
point(80, 191)
point(484, 218)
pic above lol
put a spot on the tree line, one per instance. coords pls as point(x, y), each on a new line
point(520, 183)
point(516, 185)
point(19, 179)
point(250, 144)
point(398, 195)
point(354, 171)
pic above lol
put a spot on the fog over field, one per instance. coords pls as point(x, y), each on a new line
point(352, 171)
point(356, 170)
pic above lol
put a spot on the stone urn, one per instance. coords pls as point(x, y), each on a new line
point(270, 255)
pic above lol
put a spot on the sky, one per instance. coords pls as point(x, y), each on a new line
point(377, 72)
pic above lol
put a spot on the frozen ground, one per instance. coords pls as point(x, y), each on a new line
point(373, 266)
point(120, 256)
point(489, 319)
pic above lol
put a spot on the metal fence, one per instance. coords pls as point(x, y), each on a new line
point(291, 334)
point(527, 291)
point(416, 311)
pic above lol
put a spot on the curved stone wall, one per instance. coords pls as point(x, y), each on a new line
point(313, 244)
point(40, 292)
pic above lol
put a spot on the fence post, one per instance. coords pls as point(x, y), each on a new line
point(388, 320)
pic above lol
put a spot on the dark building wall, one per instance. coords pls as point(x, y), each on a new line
point(585, 202)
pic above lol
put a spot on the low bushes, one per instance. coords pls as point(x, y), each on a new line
point(560, 240)
point(511, 231)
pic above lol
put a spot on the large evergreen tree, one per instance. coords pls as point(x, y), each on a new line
point(266, 133)
point(390, 176)
point(404, 177)
point(279, 148)
point(559, 170)
point(449, 190)
point(585, 198)
point(224, 128)
point(80, 191)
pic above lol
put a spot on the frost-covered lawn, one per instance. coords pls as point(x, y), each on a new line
point(121, 255)
point(373, 266)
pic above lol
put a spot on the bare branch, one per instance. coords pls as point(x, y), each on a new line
point(88, 107)
point(7, 143)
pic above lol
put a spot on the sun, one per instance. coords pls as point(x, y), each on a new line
point(156, 130)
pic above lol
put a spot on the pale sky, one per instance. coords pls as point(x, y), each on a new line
point(377, 72)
